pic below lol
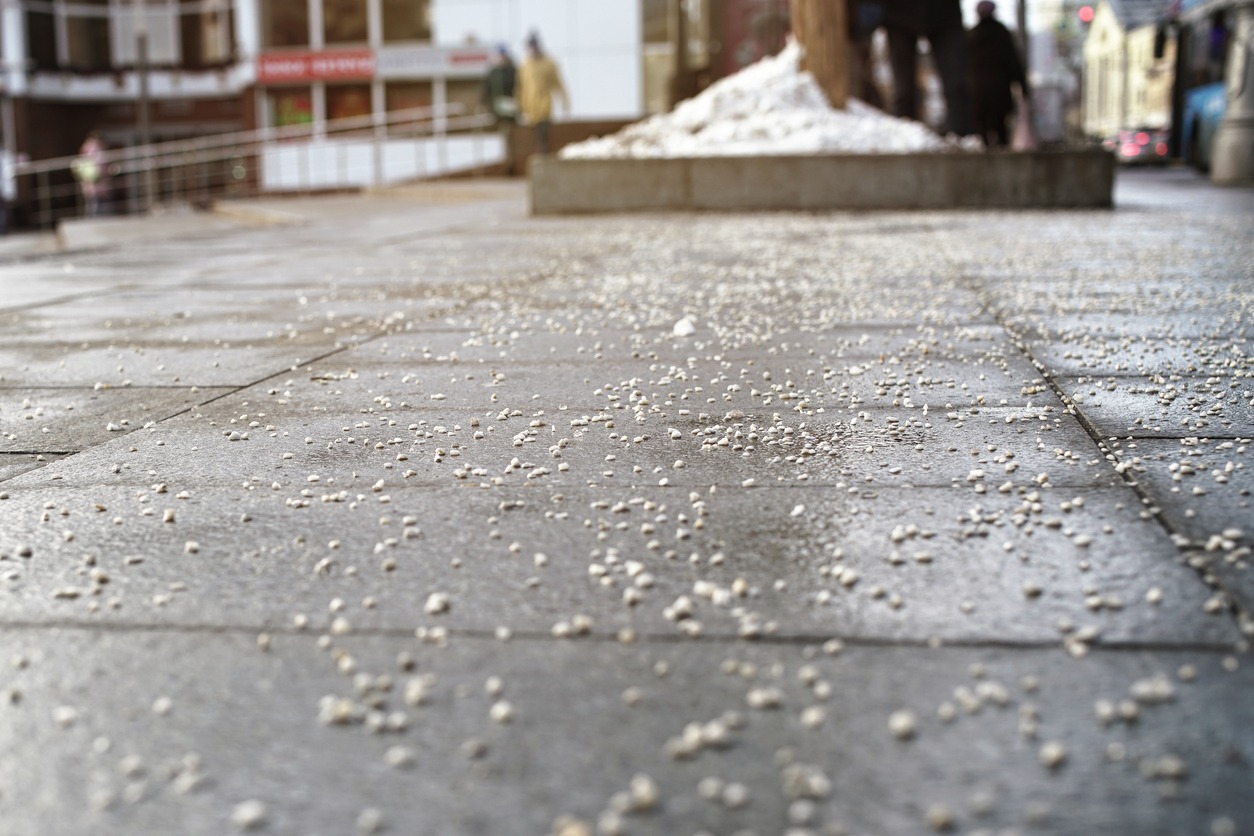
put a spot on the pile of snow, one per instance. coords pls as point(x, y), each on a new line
point(770, 107)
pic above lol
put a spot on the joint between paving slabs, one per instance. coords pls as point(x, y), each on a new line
point(73, 297)
point(40, 452)
point(544, 637)
point(381, 334)
point(1242, 617)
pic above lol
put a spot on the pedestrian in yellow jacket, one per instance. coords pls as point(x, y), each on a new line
point(538, 82)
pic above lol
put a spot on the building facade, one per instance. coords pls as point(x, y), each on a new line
point(1126, 86)
point(71, 68)
point(200, 67)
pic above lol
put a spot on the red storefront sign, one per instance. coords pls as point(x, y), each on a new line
point(477, 56)
point(335, 65)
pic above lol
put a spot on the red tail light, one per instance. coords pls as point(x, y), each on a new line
point(1130, 149)
point(1142, 138)
point(1160, 148)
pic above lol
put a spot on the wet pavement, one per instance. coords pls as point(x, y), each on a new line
point(407, 513)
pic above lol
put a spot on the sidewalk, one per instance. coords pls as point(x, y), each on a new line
point(412, 514)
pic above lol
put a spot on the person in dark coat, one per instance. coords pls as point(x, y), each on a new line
point(864, 18)
point(501, 100)
point(940, 21)
point(995, 68)
point(498, 87)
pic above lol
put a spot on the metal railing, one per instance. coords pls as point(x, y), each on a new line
point(338, 154)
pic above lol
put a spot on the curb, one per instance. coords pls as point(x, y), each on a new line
point(255, 215)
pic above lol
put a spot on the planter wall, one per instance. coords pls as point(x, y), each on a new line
point(1037, 179)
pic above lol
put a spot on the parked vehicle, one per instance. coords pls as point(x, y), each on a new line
point(1203, 111)
point(1140, 146)
point(1204, 29)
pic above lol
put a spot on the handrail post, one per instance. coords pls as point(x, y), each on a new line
point(144, 104)
point(44, 214)
point(420, 151)
point(379, 135)
point(441, 142)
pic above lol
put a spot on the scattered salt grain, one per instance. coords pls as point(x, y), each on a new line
point(249, 815)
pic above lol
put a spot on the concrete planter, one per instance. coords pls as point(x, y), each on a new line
point(1037, 179)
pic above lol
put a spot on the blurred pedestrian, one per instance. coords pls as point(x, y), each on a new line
point(864, 18)
point(539, 81)
point(89, 170)
point(500, 100)
point(498, 87)
point(995, 69)
point(940, 21)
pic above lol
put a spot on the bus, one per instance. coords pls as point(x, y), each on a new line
point(1204, 34)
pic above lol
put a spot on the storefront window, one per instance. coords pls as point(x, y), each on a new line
point(345, 101)
point(408, 95)
point(284, 23)
point(403, 96)
point(344, 21)
point(406, 20)
point(87, 36)
point(290, 106)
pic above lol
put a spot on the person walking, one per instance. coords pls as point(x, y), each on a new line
point(940, 21)
point(539, 81)
point(89, 170)
point(995, 69)
point(499, 87)
point(499, 99)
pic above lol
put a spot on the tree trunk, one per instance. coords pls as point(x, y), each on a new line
point(822, 30)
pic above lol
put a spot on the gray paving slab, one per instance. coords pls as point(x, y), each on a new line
point(970, 573)
point(1201, 484)
point(1228, 570)
point(69, 420)
point(20, 246)
point(1197, 324)
point(1202, 488)
point(1165, 407)
point(575, 367)
point(91, 233)
point(731, 265)
point(151, 365)
point(301, 313)
point(170, 262)
point(1138, 358)
point(140, 315)
point(329, 435)
point(882, 563)
point(126, 732)
point(709, 385)
point(829, 297)
point(28, 284)
point(479, 333)
point(15, 464)
point(1175, 284)
point(95, 316)
point(1039, 268)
